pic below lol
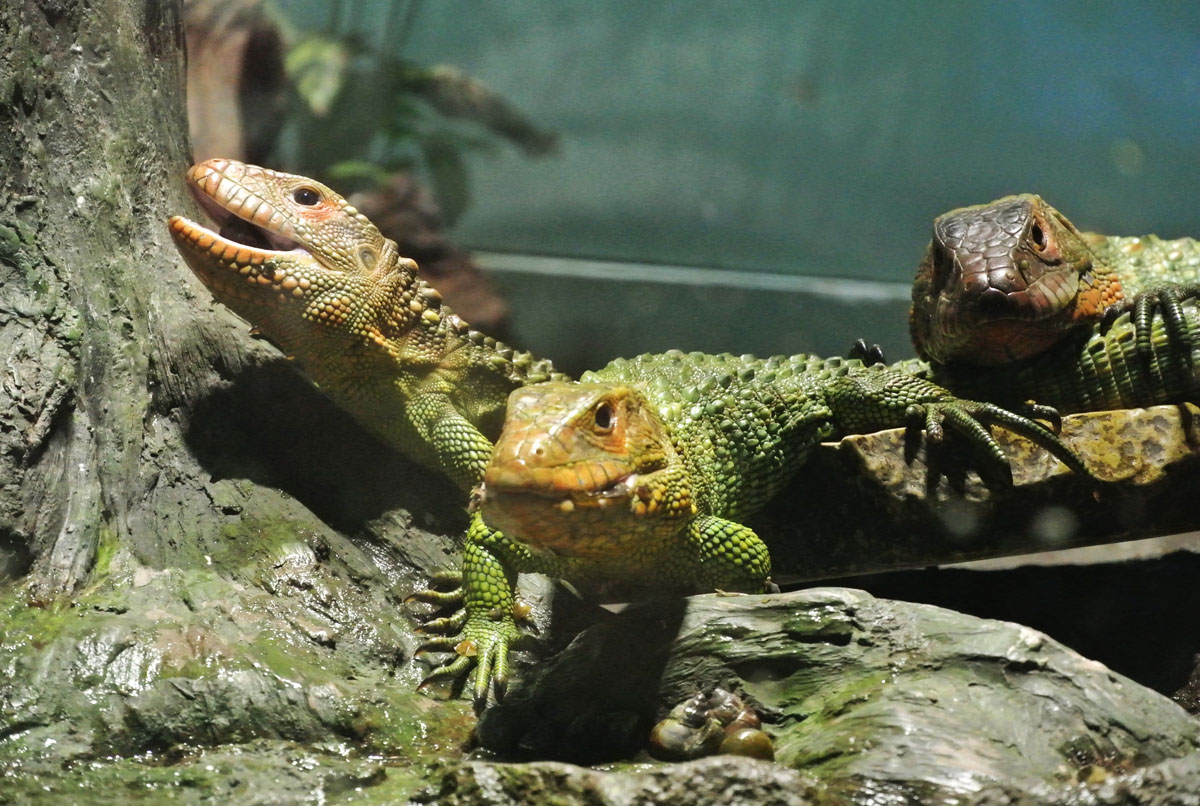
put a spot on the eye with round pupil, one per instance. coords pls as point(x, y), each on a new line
point(306, 196)
point(1038, 235)
point(603, 416)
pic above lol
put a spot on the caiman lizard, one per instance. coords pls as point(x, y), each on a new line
point(317, 279)
point(1006, 280)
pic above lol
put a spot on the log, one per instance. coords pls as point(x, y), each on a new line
point(859, 507)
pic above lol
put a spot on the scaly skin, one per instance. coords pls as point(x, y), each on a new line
point(690, 444)
point(1099, 368)
point(1004, 281)
point(317, 279)
point(333, 293)
point(638, 477)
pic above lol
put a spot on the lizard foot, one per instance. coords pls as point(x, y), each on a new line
point(484, 644)
point(445, 590)
point(1166, 300)
point(970, 418)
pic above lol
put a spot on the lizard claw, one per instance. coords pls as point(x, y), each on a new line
point(451, 597)
point(437, 598)
point(450, 577)
point(483, 643)
point(441, 643)
point(491, 670)
point(442, 682)
point(1166, 300)
point(1047, 414)
point(448, 625)
point(868, 354)
point(969, 418)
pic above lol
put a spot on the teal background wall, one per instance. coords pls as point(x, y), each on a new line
point(796, 140)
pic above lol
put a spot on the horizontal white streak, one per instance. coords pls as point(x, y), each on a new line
point(623, 271)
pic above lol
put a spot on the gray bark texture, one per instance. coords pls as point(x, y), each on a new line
point(203, 563)
point(176, 566)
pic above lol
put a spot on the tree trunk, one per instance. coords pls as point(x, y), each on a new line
point(168, 571)
point(105, 339)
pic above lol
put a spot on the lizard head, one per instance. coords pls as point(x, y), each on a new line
point(1001, 282)
point(297, 260)
point(583, 469)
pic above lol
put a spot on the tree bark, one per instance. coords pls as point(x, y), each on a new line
point(91, 289)
point(176, 503)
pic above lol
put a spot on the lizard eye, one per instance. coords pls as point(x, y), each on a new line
point(603, 417)
point(306, 196)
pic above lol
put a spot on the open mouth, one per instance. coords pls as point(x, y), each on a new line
point(234, 229)
point(618, 490)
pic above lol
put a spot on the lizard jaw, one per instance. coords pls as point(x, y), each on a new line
point(184, 231)
point(234, 231)
point(565, 500)
point(570, 523)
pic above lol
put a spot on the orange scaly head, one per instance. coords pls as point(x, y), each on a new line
point(1003, 281)
point(298, 262)
point(582, 469)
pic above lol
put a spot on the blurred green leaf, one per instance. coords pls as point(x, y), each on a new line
point(362, 172)
point(359, 115)
point(318, 67)
point(455, 94)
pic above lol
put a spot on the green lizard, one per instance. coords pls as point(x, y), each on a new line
point(641, 472)
point(1005, 280)
point(316, 278)
point(638, 476)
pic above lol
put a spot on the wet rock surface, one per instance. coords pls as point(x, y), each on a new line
point(724, 779)
point(274, 666)
point(868, 698)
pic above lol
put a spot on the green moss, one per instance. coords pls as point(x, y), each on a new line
point(288, 772)
point(107, 543)
point(24, 626)
point(250, 541)
point(10, 242)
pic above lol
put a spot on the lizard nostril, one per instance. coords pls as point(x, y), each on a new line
point(943, 266)
point(1038, 236)
point(994, 303)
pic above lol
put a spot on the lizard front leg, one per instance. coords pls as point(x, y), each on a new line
point(485, 629)
point(1165, 299)
point(459, 448)
point(880, 397)
point(729, 556)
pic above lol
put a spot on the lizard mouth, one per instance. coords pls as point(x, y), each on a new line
point(569, 523)
point(499, 493)
point(234, 231)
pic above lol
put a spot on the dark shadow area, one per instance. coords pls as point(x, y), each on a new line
point(1137, 617)
point(273, 427)
point(16, 558)
point(851, 510)
point(594, 709)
